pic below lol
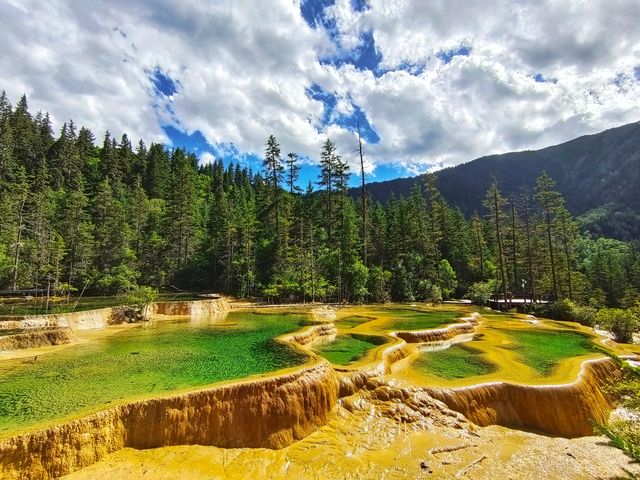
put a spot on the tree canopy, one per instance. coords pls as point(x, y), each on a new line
point(107, 216)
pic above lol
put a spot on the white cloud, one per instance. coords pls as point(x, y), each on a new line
point(244, 68)
point(207, 158)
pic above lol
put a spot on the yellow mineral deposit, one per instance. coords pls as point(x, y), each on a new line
point(272, 412)
point(372, 435)
point(437, 335)
point(564, 410)
point(312, 334)
point(38, 337)
point(377, 417)
point(190, 308)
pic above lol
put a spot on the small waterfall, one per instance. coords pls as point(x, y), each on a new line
point(564, 410)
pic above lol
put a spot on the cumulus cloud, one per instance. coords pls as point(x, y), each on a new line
point(438, 83)
point(207, 158)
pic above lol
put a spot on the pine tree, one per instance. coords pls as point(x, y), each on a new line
point(568, 233)
point(182, 208)
point(8, 163)
point(434, 205)
point(65, 160)
point(24, 135)
point(77, 230)
point(109, 161)
point(139, 211)
point(158, 172)
point(514, 244)
point(18, 193)
point(293, 172)
point(42, 208)
point(495, 203)
point(5, 109)
point(530, 251)
point(328, 158)
point(272, 164)
point(112, 235)
point(549, 201)
point(476, 223)
point(126, 160)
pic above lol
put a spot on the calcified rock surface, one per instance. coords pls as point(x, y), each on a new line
point(271, 412)
point(100, 318)
point(199, 308)
point(324, 312)
point(36, 338)
point(437, 335)
point(565, 410)
point(383, 432)
point(380, 428)
point(312, 334)
point(353, 379)
point(75, 320)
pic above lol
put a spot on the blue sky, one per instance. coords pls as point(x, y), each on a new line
point(430, 84)
point(364, 57)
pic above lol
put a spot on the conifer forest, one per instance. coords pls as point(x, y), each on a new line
point(102, 215)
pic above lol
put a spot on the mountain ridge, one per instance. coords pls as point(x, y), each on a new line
point(595, 173)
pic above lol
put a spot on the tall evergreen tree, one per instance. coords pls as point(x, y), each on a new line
point(158, 172)
point(328, 160)
point(274, 169)
point(550, 201)
point(182, 208)
point(293, 172)
point(495, 203)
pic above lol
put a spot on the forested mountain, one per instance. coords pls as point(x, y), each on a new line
point(104, 216)
point(598, 175)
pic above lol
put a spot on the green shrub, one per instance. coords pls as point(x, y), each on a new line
point(357, 275)
point(625, 435)
point(141, 297)
point(480, 292)
point(429, 292)
point(447, 279)
point(585, 315)
point(562, 310)
point(118, 279)
point(621, 323)
point(378, 284)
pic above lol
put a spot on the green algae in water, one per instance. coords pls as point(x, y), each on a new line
point(145, 361)
point(457, 361)
point(543, 350)
point(407, 319)
point(353, 321)
point(347, 348)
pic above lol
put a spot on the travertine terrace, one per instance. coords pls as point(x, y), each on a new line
point(379, 392)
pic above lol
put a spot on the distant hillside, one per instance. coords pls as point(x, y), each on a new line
point(599, 176)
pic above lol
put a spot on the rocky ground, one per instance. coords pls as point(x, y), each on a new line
point(384, 433)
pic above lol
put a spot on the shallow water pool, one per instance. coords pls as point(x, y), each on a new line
point(143, 361)
point(543, 350)
point(347, 349)
point(409, 319)
point(457, 361)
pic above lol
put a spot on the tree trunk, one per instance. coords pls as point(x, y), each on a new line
point(496, 211)
point(480, 250)
point(514, 245)
point(363, 193)
point(16, 258)
point(547, 218)
point(568, 257)
point(532, 284)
